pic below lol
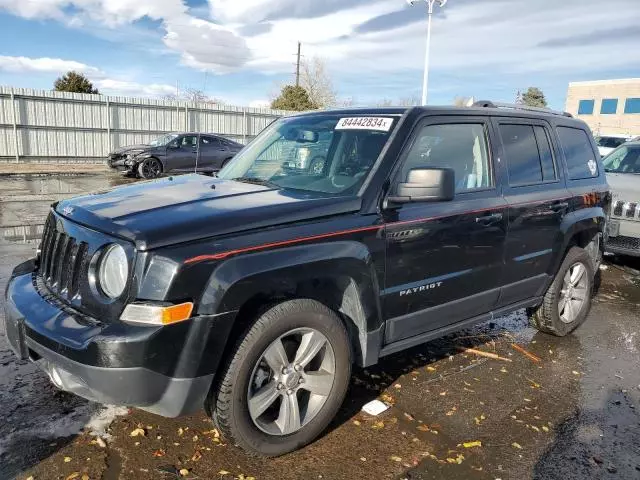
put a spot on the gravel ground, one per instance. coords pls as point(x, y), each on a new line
point(573, 415)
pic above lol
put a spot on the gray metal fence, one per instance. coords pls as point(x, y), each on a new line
point(40, 125)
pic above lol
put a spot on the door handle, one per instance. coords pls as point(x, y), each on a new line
point(560, 206)
point(489, 219)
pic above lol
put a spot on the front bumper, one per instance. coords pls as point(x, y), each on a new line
point(99, 362)
point(624, 237)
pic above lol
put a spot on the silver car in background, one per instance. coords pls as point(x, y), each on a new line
point(623, 174)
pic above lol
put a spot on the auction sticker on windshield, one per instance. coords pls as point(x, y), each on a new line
point(365, 123)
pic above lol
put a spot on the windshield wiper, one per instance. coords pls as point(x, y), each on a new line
point(257, 181)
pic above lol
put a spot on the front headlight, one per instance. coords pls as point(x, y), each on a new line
point(113, 271)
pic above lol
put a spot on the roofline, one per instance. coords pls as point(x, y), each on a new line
point(620, 81)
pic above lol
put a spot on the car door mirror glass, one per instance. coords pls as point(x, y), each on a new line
point(426, 185)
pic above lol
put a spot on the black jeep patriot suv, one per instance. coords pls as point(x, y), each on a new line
point(252, 294)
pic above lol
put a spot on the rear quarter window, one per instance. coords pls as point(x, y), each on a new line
point(581, 159)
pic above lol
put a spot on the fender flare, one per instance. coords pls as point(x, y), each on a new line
point(291, 272)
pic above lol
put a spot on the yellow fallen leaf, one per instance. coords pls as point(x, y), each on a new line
point(396, 459)
point(442, 394)
point(545, 428)
point(457, 460)
point(533, 427)
point(195, 438)
point(356, 423)
point(527, 400)
point(223, 472)
point(397, 386)
point(423, 428)
point(475, 443)
point(138, 432)
point(67, 459)
point(516, 445)
point(184, 472)
point(196, 456)
point(180, 431)
point(431, 369)
point(73, 475)
point(575, 373)
point(378, 425)
point(30, 477)
point(503, 370)
point(363, 459)
point(85, 477)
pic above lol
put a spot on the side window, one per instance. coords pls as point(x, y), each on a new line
point(581, 160)
point(462, 147)
point(523, 157)
point(209, 142)
point(189, 141)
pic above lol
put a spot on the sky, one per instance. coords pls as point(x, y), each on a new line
point(242, 51)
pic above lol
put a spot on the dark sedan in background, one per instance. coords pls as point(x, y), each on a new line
point(175, 152)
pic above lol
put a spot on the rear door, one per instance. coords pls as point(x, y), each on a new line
point(538, 201)
point(212, 153)
point(182, 152)
point(445, 259)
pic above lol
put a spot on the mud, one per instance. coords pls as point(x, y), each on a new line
point(573, 415)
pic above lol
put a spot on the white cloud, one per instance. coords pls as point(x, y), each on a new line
point(205, 45)
point(44, 64)
point(127, 88)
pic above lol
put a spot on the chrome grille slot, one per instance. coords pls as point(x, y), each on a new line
point(62, 258)
point(631, 210)
point(617, 209)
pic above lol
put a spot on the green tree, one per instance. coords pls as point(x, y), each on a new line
point(74, 82)
point(533, 97)
point(293, 98)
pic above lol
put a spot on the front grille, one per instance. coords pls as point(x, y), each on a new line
point(626, 243)
point(62, 258)
point(631, 211)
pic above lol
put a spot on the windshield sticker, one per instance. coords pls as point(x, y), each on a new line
point(380, 124)
point(593, 167)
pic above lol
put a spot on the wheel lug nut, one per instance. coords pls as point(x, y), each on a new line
point(280, 386)
point(297, 368)
point(285, 370)
point(290, 391)
point(301, 380)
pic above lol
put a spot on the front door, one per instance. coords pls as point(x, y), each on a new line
point(445, 260)
point(537, 197)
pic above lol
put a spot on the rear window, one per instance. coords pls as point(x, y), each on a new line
point(528, 152)
point(581, 159)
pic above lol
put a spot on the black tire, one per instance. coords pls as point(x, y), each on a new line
point(150, 168)
point(547, 317)
point(229, 399)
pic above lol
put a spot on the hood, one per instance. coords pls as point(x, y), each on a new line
point(624, 187)
point(191, 207)
point(129, 148)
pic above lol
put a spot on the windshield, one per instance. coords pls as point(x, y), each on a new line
point(323, 153)
point(610, 142)
point(163, 140)
point(625, 159)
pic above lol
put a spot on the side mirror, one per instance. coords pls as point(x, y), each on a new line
point(426, 185)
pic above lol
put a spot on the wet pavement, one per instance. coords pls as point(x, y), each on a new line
point(574, 414)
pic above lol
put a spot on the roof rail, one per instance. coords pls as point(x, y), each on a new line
point(515, 106)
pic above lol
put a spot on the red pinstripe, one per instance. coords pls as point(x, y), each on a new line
point(264, 246)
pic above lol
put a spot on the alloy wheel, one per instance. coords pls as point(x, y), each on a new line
point(574, 293)
point(291, 381)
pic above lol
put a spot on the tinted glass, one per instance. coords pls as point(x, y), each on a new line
point(546, 157)
point(610, 142)
point(585, 107)
point(521, 150)
point(346, 148)
point(609, 106)
point(625, 159)
point(632, 105)
point(210, 142)
point(188, 141)
point(581, 160)
point(462, 147)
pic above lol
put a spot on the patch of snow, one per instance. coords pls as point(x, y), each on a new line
point(100, 421)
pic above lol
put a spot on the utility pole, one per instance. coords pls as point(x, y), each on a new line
point(298, 66)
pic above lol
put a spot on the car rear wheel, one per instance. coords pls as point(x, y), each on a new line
point(286, 379)
point(150, 168)
point(568, 300)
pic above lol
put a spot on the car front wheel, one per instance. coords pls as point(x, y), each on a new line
point(150, 168)
point(286, 379)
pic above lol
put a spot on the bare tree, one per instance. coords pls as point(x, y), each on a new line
point(193, 95)
point(315, 79)
point(460, 101)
